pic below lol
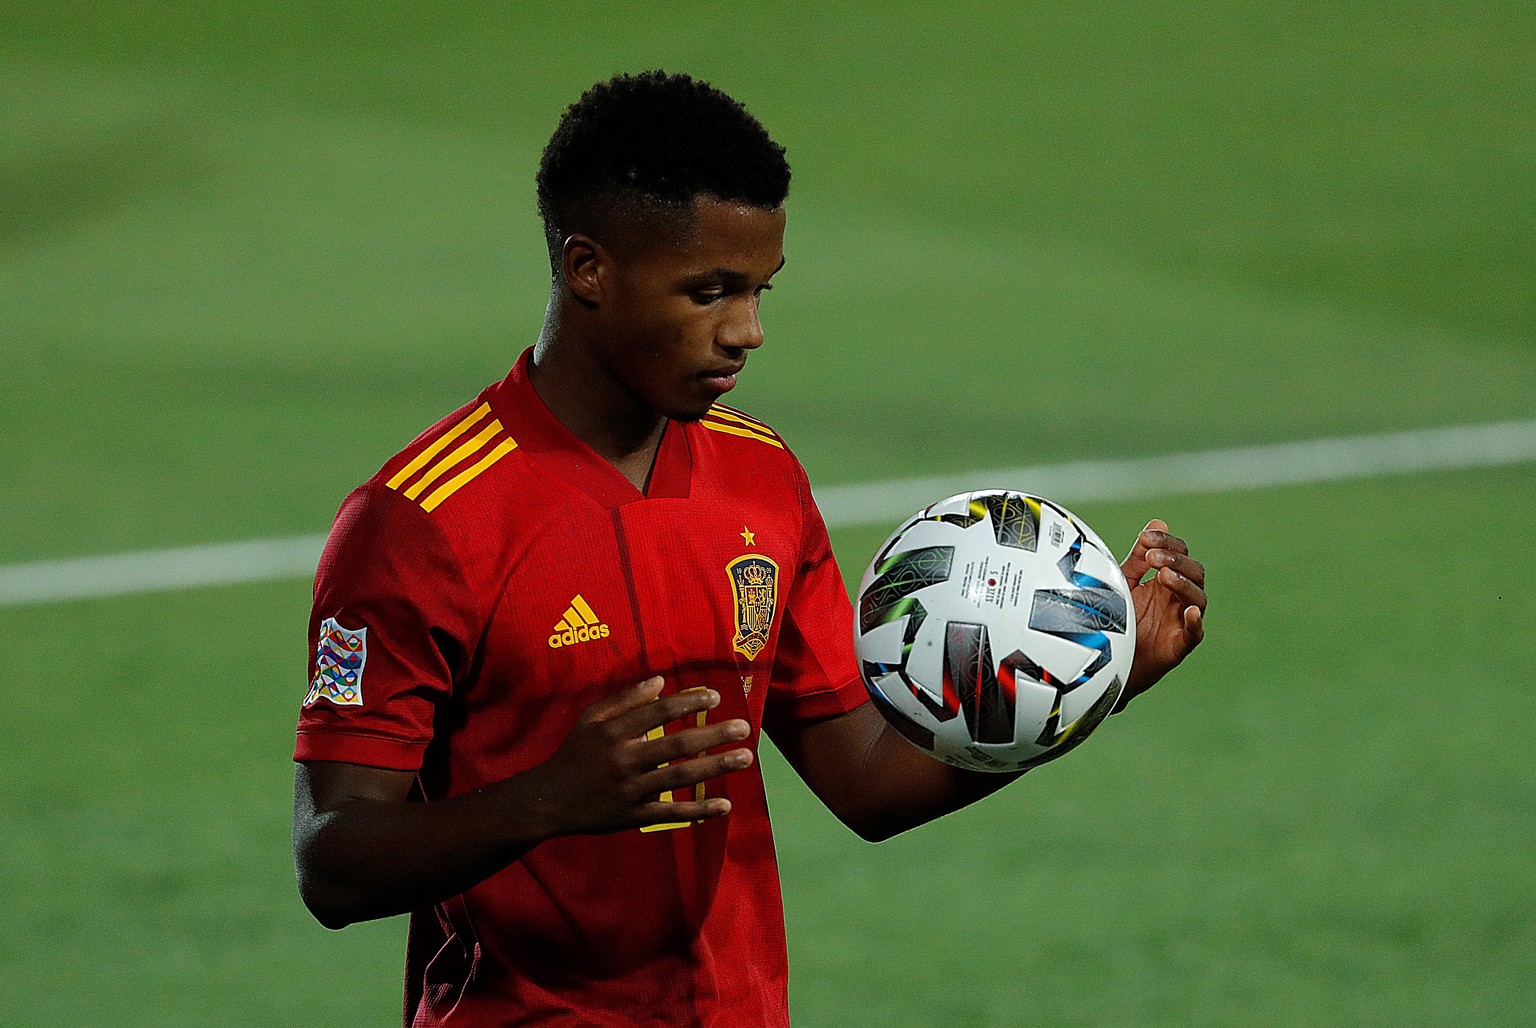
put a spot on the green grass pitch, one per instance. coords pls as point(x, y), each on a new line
point(245, 256)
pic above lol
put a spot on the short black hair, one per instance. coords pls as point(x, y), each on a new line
point(647, 145)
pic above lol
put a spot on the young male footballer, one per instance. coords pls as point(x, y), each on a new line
point(549, 635)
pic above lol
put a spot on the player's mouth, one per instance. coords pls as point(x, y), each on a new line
point(723, 380)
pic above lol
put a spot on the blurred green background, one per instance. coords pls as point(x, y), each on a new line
point(246, 254)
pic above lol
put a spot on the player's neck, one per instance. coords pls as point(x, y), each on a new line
point(597, 410)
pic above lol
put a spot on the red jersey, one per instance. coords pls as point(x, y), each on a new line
point(495, 579)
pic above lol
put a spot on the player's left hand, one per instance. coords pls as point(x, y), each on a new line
point(1170, 605)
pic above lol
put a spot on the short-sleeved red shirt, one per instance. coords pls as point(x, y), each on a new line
point(493, 580)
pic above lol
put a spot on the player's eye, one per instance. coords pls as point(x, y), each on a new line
point(708, 295)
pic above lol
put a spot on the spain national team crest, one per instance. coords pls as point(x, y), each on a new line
point(755, 587)
point(339, 660)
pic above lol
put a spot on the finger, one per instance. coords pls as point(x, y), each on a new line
point(1182, 563)
point(1194, 625)
point(623, 701)
point(685, 773)
point(690, 742)
point(1164, 541)
point(1135, 565)
point(659, 813)
point(1190, 593)
point(658, 712)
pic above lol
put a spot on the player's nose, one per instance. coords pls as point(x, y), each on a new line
point(744, 330)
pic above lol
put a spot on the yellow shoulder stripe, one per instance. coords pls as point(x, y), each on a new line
point(464, 477)
point(733, 422)
point(435, 472)
point(437, 446)
point(732, 414)
point(437, 467)
point(740, 430)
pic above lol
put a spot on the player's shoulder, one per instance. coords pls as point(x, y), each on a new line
point(737, 447)
point(431, 505)
point(451, 460)
point(735, 428)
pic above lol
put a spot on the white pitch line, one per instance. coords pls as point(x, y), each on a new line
point(1201, 471)
point(144, 571)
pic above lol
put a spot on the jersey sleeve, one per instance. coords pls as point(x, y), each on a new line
point(815, 672)
point(392, 627)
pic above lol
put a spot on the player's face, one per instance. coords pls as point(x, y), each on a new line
point(682, 317)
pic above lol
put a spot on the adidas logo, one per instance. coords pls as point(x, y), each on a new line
point(578, 626)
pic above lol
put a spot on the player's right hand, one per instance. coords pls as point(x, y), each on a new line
point(610, 773)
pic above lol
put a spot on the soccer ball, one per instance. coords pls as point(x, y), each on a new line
point(995, 630)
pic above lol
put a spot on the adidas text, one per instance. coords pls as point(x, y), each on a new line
point(572, 636)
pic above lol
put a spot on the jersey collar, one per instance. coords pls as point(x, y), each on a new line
point(560, 452)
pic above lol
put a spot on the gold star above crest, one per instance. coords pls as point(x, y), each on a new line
point(748, 536)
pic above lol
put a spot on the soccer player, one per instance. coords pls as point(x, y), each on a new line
point(549, 635)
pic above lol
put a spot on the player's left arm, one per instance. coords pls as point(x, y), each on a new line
point(880, 785)
point(872, 779)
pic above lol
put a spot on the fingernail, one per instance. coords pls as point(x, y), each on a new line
point(738, 760)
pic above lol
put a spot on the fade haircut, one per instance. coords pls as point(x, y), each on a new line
point(636, 150)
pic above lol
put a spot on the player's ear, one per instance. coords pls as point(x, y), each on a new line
point(582, 259)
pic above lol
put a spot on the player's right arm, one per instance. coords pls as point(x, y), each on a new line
point(363, 850)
